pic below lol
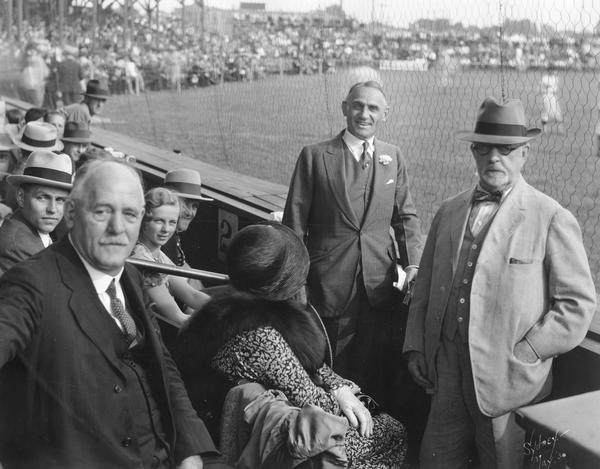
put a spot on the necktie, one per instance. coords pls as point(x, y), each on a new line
point(180, 254)
point(118, 311)
point(480, 195)
point(364, 158)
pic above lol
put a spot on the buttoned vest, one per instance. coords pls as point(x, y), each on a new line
point(456, 317)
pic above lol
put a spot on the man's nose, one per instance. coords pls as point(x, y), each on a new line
point(117, 223)
point(51, 207)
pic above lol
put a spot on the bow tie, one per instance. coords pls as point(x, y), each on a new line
point(480, 195)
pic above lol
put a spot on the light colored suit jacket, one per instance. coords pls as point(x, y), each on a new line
point(532, 280)
point(319, 210)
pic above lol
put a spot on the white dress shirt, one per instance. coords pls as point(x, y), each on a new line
point(355, 145)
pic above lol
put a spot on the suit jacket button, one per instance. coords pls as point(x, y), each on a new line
point(126, 442)
point(117, 389)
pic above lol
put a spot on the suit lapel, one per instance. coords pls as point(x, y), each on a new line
point(510, 215)
point(381, 174)
point(84, 304)
point(333, 159)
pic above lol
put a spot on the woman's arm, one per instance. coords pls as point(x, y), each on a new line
point(165, 304)
point(263, 355)
point(184, 292)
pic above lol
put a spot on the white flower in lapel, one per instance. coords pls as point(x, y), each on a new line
point(385, 159)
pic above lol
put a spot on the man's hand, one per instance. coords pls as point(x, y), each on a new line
point(191, 462)
point(417, 366)
point(525, 353)
point(411, 277)
point(357, 414)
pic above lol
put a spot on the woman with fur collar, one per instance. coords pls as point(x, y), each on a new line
point(264, 331)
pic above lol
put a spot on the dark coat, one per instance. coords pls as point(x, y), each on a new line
point(18, 241)
point(318, 209)
point(65, 390)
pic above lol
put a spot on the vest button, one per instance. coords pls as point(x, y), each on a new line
point(469, 264)
point(474, 246)
point(465, 280)
point(461, 301)
point(460, 319)
point(117, 389)
point(126, 442)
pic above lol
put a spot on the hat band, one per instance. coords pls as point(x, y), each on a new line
point(506, 130)
point(185, 187)
point(47, 173)
point(37, 143)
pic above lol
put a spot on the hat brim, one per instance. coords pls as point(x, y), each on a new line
point(185, 195)
point(103, 97)
point(469, 136)
point(56, 147)
point(20, 179)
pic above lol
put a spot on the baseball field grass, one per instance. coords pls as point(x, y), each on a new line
point(258, 128)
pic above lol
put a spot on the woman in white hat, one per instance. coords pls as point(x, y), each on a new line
point(158, 226)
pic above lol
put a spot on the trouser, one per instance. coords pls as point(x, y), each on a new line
point(456, 426)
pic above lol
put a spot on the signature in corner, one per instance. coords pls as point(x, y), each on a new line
point(542, 451)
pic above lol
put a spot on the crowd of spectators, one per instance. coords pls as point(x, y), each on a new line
point(146, 56)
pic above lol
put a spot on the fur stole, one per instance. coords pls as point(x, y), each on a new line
point(232, 313)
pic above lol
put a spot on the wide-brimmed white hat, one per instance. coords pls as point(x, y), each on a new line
point(185, 183)
point(46, 168)
point(36, 136)
point(500, 123)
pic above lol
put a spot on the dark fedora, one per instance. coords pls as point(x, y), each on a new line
point(500, 123)
point(185, 183)
point(96, 89)
point(268, 260)
point(76, 132)
point(45, 168)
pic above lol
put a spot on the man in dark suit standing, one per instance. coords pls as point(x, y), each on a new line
point(87, 381)
point(349, 200)
point(41, 193)
point(69, 75)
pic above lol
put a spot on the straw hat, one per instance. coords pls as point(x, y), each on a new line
point(185, 183)
point(36, 136)
point(45, 168)
point(76, 133)
point(500, 123)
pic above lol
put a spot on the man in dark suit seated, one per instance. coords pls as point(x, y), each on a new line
point(86, 380)
point(41, 193)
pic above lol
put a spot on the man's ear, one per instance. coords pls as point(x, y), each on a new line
point(525, 151)
point(20, 197)
point(69, 212)
point(385, 113)
point(344, 108)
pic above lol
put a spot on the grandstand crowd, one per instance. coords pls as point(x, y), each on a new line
point(161, 58)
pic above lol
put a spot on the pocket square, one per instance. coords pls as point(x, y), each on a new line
point(514, 260)
point(390, 181)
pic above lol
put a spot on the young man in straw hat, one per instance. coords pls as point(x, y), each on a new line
point(36, 136)
point(41, 193)
point(504, 286)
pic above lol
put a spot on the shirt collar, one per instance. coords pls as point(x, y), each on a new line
point(355, 144)
point(46, 239)
point(101, 280)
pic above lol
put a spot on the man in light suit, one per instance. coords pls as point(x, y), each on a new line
point(86, 380)
point(41, 192)
point(349, 200)
point(504, 286)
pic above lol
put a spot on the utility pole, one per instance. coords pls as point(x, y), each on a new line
point(9, 21)
point(61, 22)
point(94, 24)
point(182, 20)
point(20, 21)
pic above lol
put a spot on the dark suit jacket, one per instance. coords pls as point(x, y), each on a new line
point(70, 74)
point(67, 394)
point(18, 241)
point(319, 210)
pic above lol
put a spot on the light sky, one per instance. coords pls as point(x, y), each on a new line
point(563, 14)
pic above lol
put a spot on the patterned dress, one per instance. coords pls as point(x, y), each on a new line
point(152, 279)
point(262, 355)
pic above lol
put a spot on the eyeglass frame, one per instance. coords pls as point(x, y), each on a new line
point(512, 147)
